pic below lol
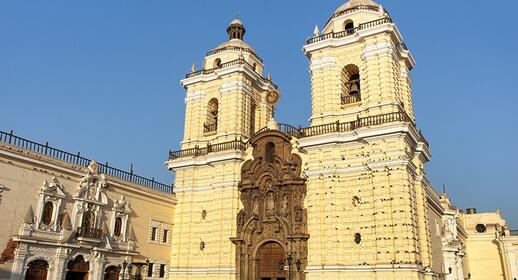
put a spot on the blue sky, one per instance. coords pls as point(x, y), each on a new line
point(102, 77)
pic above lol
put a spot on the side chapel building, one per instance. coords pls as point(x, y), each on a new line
point(345, 198)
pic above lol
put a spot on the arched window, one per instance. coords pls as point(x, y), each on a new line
point(269, 152)
point(350, 84)
point(48, 210)
point(211, 122)
point(349, 27)
point(88, 220)
point(217, 63)
point(118, 227)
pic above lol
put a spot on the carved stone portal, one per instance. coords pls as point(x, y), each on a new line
point(272, 228)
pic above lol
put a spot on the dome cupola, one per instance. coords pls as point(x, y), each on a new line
point(236, 30)
point(351, 4)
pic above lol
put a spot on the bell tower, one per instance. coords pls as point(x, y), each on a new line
point(370, 207)
point(359, 65)
point(226, 102)
point(228, 98)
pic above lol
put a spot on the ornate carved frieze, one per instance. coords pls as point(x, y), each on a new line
point(272, 192)
point(90, 199)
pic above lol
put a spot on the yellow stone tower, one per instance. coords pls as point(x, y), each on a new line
point(368, 214)
point(226, 102)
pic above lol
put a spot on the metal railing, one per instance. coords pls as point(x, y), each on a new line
point(354, 9)
point(239, 61)
point(237, 145)
point(302, 133)
point(210, 127)
point(86, 232)
point(349, 99)
point(77, 159)
point(233, 48)
point(349, 32)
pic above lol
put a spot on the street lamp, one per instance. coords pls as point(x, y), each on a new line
point(298, 264)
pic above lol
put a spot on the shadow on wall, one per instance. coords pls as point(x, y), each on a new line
point(5, 273)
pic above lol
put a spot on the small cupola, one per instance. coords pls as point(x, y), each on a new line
point(236, 30)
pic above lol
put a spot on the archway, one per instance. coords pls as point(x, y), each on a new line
point(37, 270)
point(270, 260)
point(77, 269)
point(112, 273)
point(272, 226)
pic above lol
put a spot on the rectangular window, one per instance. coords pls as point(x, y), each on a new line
point(150, 270)
point(162, 271)
point(153, 234)
point(164, 238)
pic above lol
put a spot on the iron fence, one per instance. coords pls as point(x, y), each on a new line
point(45, 149)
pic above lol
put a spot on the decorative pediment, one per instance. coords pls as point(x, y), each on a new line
point(121, 205)
point(53, 188)
point(92, 187)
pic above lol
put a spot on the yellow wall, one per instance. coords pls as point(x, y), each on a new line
point(23, 173)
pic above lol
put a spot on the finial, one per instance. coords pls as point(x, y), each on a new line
point(443, 188)
point(269, 77)
point(193, 69)
point(381, 11)
point(316, 32)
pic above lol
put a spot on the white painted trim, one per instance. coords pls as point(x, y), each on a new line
point(322, 63)
point(359, 36)
point(218, 73)
point(373, 50)
point(236, 86)
point(193, 96)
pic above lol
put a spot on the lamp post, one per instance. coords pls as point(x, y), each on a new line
point(298, 264)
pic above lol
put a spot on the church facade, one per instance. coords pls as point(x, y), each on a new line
point(345, 198)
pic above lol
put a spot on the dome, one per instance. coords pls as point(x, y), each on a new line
point(236, 21)
point(236, 32)
point(354, 3)
point(235, 43)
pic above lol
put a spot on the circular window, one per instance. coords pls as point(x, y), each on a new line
point(357, 238)
point(480, 228)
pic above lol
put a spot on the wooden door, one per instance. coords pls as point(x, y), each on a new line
point(37, 270)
